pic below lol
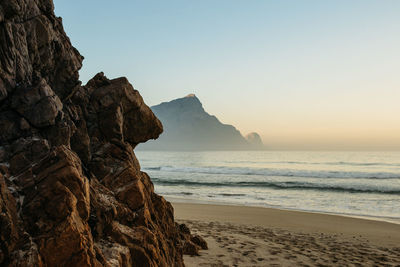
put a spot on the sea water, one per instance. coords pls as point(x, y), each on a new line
point(347, 183)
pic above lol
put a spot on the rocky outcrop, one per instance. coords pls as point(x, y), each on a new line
point(254, 140)
point(71, 189)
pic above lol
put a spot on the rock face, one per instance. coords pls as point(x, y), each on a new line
point(187, 126)
point(71, 189)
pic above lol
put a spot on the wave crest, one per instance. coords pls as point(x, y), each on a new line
point(278, 185)
point(278, 172)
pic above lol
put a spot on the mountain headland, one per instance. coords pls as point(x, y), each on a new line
point(187, 126)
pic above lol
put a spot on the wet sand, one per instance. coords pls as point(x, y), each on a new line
point(252, 236)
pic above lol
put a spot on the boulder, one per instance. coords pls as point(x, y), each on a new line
point(198, 240)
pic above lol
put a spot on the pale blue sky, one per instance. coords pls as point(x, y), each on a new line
point(304, 74)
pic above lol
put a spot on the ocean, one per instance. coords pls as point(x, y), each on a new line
point(360, 184)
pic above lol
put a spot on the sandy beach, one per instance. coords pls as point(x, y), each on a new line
point(252, 236)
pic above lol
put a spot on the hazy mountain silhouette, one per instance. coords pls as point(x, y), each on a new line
point(187, 126)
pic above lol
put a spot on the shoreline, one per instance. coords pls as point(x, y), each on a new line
point(380, 232)
point(258, 236)
point(185, 200)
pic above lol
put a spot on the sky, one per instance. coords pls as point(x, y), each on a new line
point(304, 74)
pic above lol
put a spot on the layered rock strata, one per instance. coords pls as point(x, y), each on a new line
point(71, 189)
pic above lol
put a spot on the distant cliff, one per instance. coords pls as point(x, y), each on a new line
point(187, 126)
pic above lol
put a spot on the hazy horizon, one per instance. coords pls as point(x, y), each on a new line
point(305, 75)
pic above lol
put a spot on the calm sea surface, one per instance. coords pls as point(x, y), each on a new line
point(351, 183)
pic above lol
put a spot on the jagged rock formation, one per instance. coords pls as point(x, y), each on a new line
point(187, 126)
point(71, 189)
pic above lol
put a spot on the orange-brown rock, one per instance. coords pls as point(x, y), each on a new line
point(71, 189)
point(198, 240)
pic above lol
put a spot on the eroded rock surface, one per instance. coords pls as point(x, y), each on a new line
point(71, 189)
